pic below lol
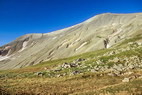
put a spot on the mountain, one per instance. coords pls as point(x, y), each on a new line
point(101, 31)
point(101, 56)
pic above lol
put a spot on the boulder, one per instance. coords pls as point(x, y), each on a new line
point(66, 65)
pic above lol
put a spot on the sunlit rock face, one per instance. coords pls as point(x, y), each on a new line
point(98, 32)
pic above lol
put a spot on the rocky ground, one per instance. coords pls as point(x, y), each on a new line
point(113, 65)
point(117, 70)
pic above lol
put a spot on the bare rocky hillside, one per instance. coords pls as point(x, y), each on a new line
point(101, 31)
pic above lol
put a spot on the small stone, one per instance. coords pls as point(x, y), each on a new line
point(140, 77)
point(112, 53)
point(130, 43)
point(39, 73)
point(99, 62)
point(58, 76)
point(139, 43)
point(117, 73)
point(57, 70)
point(101, 75)
point(80, 59)
point(116, 59)
point(45, 68)
point(75, 72)
point(126, 80)
point(66, 65)
point(73, 65)
point(111, 74)
point(128, 73)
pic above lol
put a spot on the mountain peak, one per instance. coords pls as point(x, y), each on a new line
point(99, 32)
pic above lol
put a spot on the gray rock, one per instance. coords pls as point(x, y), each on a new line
point(140, 77)
point(139, 43)
point(58, 70)
point(58, 76)
point(126, 80)
point(99, 62)
point(66, 65)
point(93, 70)
point(116, 59)
point(128, 73)
point(76, 72)
point(112, 53)
point(111, 74)
point(131, 66)
point(118, 73)
point(80, 59)
point(69, 65)
point(39, 74)
point(74, 64)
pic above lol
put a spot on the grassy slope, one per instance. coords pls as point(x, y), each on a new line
point(23, 81)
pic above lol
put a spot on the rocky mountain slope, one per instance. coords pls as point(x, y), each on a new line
point(102, 31)
point(112, 71)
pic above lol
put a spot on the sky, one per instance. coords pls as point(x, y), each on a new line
point(20, 17)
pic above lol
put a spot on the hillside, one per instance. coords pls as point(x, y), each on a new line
point(113, 71)
point(99, 32)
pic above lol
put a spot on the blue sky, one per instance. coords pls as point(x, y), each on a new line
point(20, 17)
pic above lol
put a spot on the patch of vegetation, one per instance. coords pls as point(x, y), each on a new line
point(98, 36)
point(136, 38)
point(131, 88)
